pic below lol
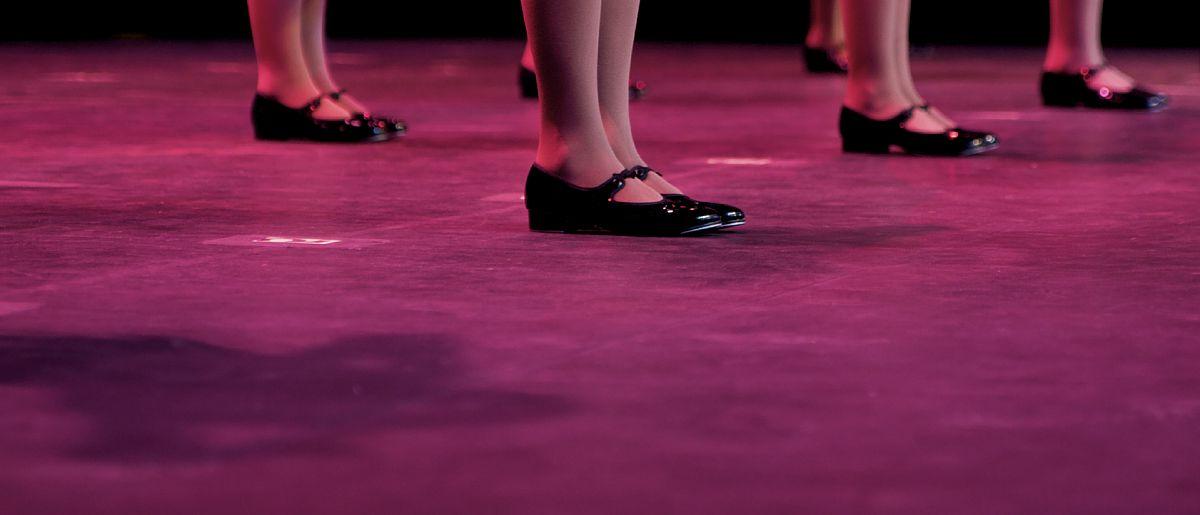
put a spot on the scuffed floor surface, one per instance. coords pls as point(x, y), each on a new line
point(195, 322)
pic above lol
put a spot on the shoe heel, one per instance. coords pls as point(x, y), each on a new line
point(271, 120)
point(541, 220)
point(864, 147)
point(1061, 91)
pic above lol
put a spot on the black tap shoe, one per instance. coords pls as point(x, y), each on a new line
point(392, 126)
point(866, 135)
point(557, 206)
point(730, 215)
point(824, 60)
point(527, 84)
point(275, 121)
point(1068, 89)
point(637, 89)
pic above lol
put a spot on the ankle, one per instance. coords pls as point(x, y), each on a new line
point(878, 107)
point(1071, 60)
point(627, 154)
point(576, 165)
point(580, 174)
point(326, 85)
point(290, 94)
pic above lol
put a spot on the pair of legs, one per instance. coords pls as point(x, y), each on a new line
point(1075, 43)
point(880, 82)
point(529, 70)
point(289, 41)
point(582, 51)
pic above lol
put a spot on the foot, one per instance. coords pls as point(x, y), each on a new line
point(556, 205)
point(924, 120)
point(842, 55)
point(730, 216)
point(838, 52)
point(348, 103)
point(910, 130)
point(331, 112)
point(635, 190)
point(657, 183)
point(938, 115)
point(1113, 79)
point(826, 59)
point(276, 121)
point(1097, 87)
point(834, 43)
point(1099, 75)
point(299, 97)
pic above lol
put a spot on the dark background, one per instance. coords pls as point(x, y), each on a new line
point(1013, 22)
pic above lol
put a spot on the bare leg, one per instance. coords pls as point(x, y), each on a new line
point(282, 71)
point(825, 25)
point(1075, 43)
point(618, 21)
point(875, 85)
point(902, 54)
point(871, 86)
point(1074, 35)
point(572, 143)
point(312, 39)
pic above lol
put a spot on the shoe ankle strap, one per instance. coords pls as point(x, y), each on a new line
point(1089, 72)
point(336, 95)
point(314, 104)
point(642, 172)
point(1084, 71)
point(907, 114)
point(618, 180)
point(632, 173)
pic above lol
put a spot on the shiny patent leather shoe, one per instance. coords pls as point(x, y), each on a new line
point(392, 126)
point(730, 215)
point(527, 84)
point(867, 135)
point(275, 121)
point(824, 60)
point(557, 206)
point(1069, 89)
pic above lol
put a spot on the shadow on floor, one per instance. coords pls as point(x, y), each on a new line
point(867, 236)
point(163, 399)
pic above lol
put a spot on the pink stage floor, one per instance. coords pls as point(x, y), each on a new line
point(181, 333)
